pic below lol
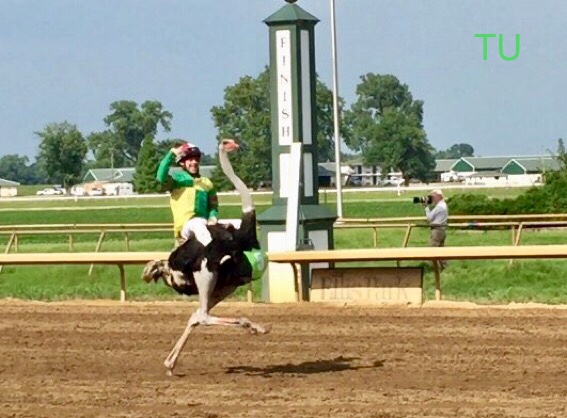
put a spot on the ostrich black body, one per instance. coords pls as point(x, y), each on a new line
point(226, 241)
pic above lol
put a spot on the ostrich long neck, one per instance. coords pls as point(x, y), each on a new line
point(247, 205)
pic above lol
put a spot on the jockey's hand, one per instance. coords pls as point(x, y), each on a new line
point(212, 221)
point(179, 150)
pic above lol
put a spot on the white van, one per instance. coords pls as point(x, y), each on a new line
point(118, 189)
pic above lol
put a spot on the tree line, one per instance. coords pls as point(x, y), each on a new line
point(384, 126)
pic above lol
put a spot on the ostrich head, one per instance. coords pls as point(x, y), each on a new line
point(155, 270)
point(228, 145)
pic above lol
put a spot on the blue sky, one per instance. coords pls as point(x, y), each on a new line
point(69, 59)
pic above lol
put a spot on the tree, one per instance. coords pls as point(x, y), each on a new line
point(325, 123)
point(456, 151)
point(387, 127)
point(62, 153)
point(36, 174)
point(106, 150)
point(162, 147)
point(128, 126)
point(207, 159)
point(15, 167)
point(403, 146)
point(561, 155)
point(146, 168)
point(245, 116)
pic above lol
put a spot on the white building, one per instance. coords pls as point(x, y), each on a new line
point(8, 188)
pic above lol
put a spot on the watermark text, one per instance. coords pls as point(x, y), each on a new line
point(486, 36)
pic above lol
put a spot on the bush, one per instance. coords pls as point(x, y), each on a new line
point(549, 198)
point(470, 204)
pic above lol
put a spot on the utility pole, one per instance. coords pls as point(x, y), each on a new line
point(336, 115)
point(112, 163)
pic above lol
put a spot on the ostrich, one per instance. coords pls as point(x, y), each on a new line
point(232, 259)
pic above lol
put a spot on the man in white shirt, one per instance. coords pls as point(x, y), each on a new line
point(437, 219)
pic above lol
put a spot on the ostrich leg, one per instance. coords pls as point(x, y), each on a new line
point(218, 296)
point(202, 317)
point(171, 359)
point(205, 281)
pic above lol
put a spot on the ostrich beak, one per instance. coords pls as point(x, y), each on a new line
point(229, 145)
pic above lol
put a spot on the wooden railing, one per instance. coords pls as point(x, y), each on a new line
point(433, 254)
point(119, 259)
point(516, 223)
point(102, 230)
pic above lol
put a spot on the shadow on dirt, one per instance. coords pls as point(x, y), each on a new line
point(338, 364)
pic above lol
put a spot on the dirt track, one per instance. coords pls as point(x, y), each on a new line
point(105, 360)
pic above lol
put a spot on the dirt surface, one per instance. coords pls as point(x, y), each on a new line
point(105, 360)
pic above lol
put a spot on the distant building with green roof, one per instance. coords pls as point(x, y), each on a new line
point(501, 170)
point(526, 170)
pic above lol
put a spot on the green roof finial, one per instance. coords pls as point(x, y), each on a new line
point(290, 13)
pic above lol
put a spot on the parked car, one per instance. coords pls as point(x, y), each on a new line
point(95, 192)
point(354, 181)
point(51, 191)
point(391, 181)
point(452, 176)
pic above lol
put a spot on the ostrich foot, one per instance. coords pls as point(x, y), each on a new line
point(259, 329)
point(252, 327)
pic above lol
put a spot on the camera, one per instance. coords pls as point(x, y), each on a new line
point(426, 200)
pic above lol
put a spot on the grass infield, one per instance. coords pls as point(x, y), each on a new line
point(481, 281)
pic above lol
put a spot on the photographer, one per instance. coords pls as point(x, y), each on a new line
point(437, 219)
